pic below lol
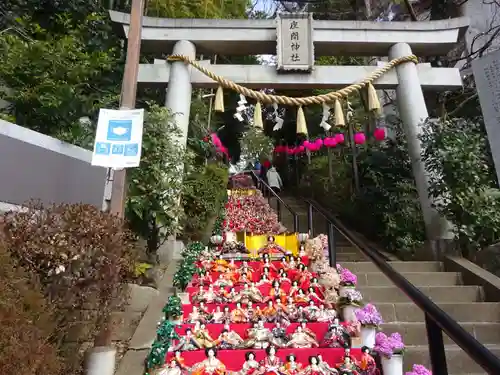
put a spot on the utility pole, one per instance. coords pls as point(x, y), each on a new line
point(102, 357)
point(127, 99)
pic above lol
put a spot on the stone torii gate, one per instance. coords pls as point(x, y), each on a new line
point(327, 38)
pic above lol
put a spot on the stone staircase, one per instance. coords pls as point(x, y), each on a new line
point(464, 303)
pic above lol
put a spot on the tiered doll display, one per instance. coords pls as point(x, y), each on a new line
point(266, 317)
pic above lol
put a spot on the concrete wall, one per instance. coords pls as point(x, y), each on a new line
point(35, 166)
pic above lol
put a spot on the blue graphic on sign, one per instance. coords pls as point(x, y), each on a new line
point(132, 149)
point(117, 149)
point(119, 130)
point(102, 148)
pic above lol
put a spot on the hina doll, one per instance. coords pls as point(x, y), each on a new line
point(203, 310)
point(348, 367)
point(257, 294)
point(264, 280)
point(202, 336)
point(271, 364)
point(303, 275)
point(250, 366)
point(324, 366)
point(194, 316)
point(228, 340)
point(284, 263)
point(246, 266)
point(217, 316)
point(307, 330)
point(244, 279)
point(187, 342)
point(250, 294)
point(180, 361)
point(230, 276)
point(238, 315)
point(204, 279)
point(302, 251)
point(336, 336)
point(210, 366)
point(301, 299)
point(279, 338)
point(284, 279)
point(199, 296)
point(222, 282)
point(292, 264)
point(271, 247)
point(367, 364)
point(210, 295)
point(291, 309)
point(220, 265)
point(291, 366)
point(170, 368)
point(269, 265)
point(269, 312)
point(245, 271)
point(294, 289)
point(300, 314)
point(315, 368)
point(259, 337)
point(313, 296)
point(282, 314)
point(232, 295)
point(300, 339)
point(325, 315)
point(312, 311)
point(317, 287)
point(221, 295)
point(276, 292)
point(226, 315)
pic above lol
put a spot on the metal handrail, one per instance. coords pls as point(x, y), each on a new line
point(436, 320)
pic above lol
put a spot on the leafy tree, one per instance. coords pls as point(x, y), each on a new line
point(64, 76)
point(462, 177)
point(198, 8)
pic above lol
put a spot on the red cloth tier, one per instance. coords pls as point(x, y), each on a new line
point(234, 359)
point(241, 329)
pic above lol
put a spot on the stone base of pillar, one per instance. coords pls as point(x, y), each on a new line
point(437, 250)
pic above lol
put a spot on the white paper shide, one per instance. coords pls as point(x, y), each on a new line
point(118, 140)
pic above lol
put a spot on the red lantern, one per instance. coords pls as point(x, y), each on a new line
point(379, 134)
point(359, 138)
point(301, 148)
point(340, 138)
point(318, 142)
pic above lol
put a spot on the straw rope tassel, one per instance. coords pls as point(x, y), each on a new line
point(301, 122)
point(219, 100)
point(339, 114)
point(257, 116)
point(373, 102)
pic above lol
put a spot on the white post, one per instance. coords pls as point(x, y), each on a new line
point(413, 112)
point(179, 89)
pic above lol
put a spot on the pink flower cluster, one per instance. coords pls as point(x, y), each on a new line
point(347, 278)
point(419, 370)
point(389, 345)
point(251, 214)
point(369, 316)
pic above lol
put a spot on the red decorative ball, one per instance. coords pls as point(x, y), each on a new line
point(379, 134)
point(359, 138)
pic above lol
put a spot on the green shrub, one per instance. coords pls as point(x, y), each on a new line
point(26, 323)
point(81, 256)
point(203, 196)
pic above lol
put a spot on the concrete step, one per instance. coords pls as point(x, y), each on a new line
point(416, 278)
point(416, 334)
point(458, 361)
point(350, 257)
point(377, 294)
point(360, 267)
point(460, 311)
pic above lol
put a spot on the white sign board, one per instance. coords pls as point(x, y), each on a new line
point(118, 139)
point(295, 47)
point(487, 77)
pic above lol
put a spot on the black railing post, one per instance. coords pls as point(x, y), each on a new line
point(310, 218)
point(332, 250)
point(278, 209)
point(437, 353)
point(296, 223)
